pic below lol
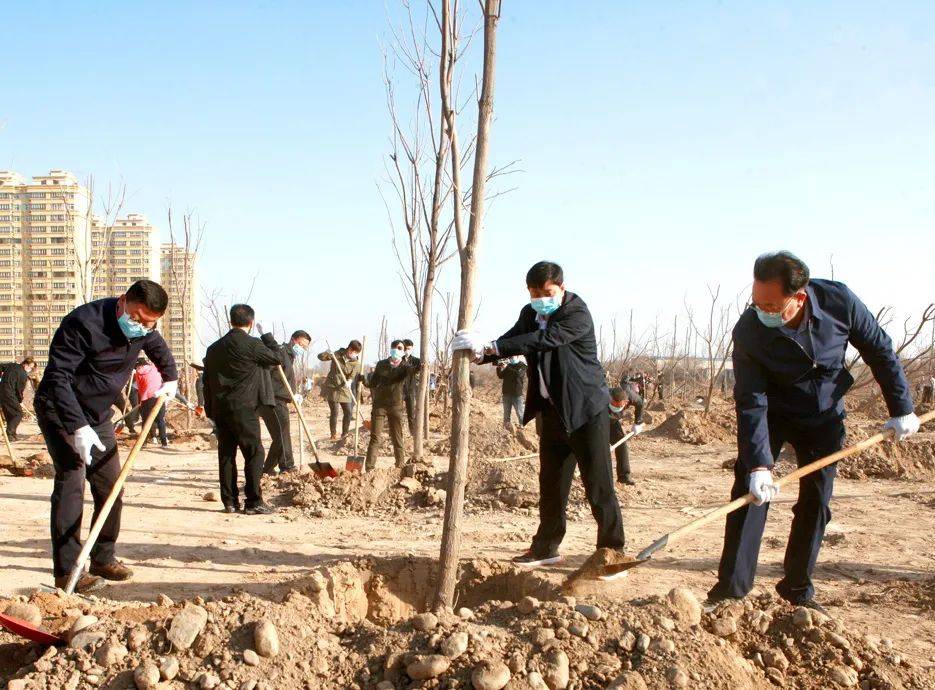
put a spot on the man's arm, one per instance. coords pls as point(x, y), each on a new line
point(876, 349)
point(262, 355)
point(566, 330)
point(638, 404)
point(69, 347)
point(159, 354)
point(750, 399)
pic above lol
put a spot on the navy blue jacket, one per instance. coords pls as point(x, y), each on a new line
point(777, 380)
point(90, 362)
point(568, 351)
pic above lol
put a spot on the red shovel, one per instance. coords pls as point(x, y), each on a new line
point(29, 631)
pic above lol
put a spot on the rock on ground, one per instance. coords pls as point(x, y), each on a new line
point(265, 638)
point(186, 625)
point(25, 612)
point(490, 675)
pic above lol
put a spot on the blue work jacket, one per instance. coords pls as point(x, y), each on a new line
point(779, 382)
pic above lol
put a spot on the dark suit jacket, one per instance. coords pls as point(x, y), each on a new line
point(287, 361)
point(567, 349)
point(234, 377)
point(12, 387)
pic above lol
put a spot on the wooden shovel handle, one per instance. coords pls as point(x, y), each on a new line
point(298, 410)
point(98, 525)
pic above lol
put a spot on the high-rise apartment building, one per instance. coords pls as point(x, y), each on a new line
point(178, 268)
point(123, 253)
point(45, 245)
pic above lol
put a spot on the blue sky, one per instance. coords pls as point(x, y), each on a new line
point(663, 145)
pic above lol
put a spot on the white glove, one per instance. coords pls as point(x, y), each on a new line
point(903, 426)
point(84, 440)
point(469, 340)
point(169, 389)
point(298, 399)
point(637, 428)
point(762, 487)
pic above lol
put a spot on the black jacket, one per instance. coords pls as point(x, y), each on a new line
point(514, 379)
point(567, 349)
point(411, 384)
point(12, 387)
point(90, 362)
point(386, 383)
point(235, 377)
point(775, 377)
point(635, 401)
point(287, 361)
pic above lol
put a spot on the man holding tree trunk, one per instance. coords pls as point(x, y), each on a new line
point(567, 390)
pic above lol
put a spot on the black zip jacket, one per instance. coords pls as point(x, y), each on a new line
point(287, 361)
point(235, 374)
point(514, 379)
point(12, 387)
point(90, 362)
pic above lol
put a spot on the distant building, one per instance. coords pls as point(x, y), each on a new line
point(123, 253)
point(178, 268)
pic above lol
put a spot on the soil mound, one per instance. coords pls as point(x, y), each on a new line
point(497, 484)
point(693, 426)
point(355, 624)
point(490, 440)
point(913, 458)
point(38, 465)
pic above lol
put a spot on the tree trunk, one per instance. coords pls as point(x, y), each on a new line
point(461, 395)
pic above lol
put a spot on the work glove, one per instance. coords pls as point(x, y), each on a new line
point(638, 428)
point(469, 340)
point(169, 389)
point(762, 487)
point(903, 426)
point(298, 399)
point(84, 441)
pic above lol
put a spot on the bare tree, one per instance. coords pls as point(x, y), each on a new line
point(715, 335)
point(99, 217)
point(467, 251)
point(181, 284)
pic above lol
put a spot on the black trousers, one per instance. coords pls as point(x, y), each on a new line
point(239, 429)
point(134, 418)
point(12, 417)
point(410, 398)
point(621, 452)
point(160, 426)
point(811, 513)
point(68, 495)
point(276, 418)
point(346, 409)
point(559, 453)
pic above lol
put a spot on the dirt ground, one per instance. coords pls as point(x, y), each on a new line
point(876, 573)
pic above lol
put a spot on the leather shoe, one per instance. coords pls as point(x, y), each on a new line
point(86, 583)
point(115, 570)
point(260, 509)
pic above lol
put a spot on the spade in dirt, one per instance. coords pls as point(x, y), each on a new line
point(322, 469)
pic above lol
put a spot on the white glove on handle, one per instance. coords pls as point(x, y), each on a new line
point(762, 487)
point(903, 426)
point(298, 399)
point(169, 389)
point(637, 428)
point(469, 340)
point(84, 440)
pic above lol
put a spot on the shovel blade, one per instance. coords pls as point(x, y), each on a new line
point(29, 631)
point(616, 570)
point(324, 469)
point(355, 463)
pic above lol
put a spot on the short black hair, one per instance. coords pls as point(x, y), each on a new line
point(408, 343)
point(786, 267)
point(394, 344)
point(355, 345)
point(617, 393)
point(242, 315)
point(544, 272)
point(28, 360)
point(301, 334)
point(150, 294)
point(141, 362)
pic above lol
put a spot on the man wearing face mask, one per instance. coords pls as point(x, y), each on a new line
point(411, 384)
point(568, 390)
point(621, 398)
point(790, 381)
point(276, 416)
point(386, 386)
point(512, 372)
point(13, 379)
point(345, 366)
point(91, 358)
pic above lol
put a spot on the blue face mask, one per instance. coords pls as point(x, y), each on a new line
point(396, 355)
point(132, 329)
point(546, 306)
point(769, 319)
point(298, 350)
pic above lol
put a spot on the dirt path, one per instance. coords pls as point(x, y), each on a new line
point(872, 571)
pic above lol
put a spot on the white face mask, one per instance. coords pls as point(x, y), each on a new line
point(408, 352)
point(614, 408)
point(352, 356)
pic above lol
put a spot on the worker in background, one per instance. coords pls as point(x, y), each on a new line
point(276, 416)
point(411, 384)
point(13, 379)
point(345, 366)
point(567, 389)
point(148, 381)
point(90, 360)
point(386, 388)
point(235, 389)
point(512, 374)
point(621, 398)
point(790, 379)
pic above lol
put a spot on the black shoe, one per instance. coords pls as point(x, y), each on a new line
point(626, 480)
point(531, 560)
point(815, 606)
point(164, 444)
point(231, 509)
point(287, 470)
point(714, 600)
point(259, 509)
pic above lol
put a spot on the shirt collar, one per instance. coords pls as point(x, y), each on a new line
point(813, 305)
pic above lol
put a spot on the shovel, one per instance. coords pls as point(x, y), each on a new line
point(322, 469)
point(6, 440)
point(29, 631)
point(112, 497)
point(613, 571)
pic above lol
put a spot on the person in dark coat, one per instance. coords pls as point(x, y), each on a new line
point(13, 379)
point(621, 398)
point(512, 373)
point(411, 384)
point(236, 386)
point(386, 386)
point(91, 358)
point(790, 379)
point(567, 389)
point(276, 417)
